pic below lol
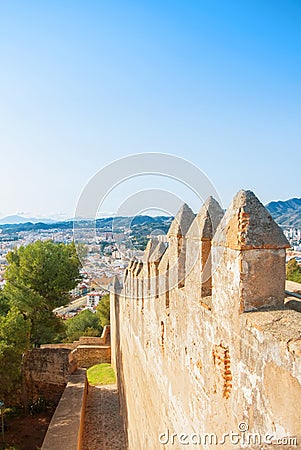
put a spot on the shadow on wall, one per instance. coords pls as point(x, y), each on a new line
point(119, 360)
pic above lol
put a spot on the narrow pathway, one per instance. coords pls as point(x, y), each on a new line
point(103, 426)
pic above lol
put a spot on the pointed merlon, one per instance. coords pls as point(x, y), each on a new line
point(131, 263)
point(151, 245)
point(205, 224)
point(138, 268)
point(164, 261)
point(116, 284)
point(181, 222)
point(248, 225)
point(157, 252)
point(134, 266)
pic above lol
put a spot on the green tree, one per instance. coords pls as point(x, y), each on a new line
point(4, 304)
point(14, 341)
point(103, 310)
point(38, 279)
point(86, 323)
point(293, 271)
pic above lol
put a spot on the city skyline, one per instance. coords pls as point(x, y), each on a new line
point(85, 84)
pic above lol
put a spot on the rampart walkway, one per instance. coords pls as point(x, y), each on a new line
point(103, 428)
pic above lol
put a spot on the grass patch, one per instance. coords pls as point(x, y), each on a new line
point(101, 374)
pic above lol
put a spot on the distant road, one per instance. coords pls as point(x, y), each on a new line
point(71, 306)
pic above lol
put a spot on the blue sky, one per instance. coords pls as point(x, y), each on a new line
point(83, 83)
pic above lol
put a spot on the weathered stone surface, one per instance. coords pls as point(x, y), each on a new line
point(157, 253)
point(248, 254)
point(182, 221)
point(205, 224)
point(138, 268)
point(46, 372)
point(194, 365)
point(177, 246)
point(151, 245)
point(198, 268)
point(90, 355)
point(66, 427)
point(117, 286)
point(248, 225)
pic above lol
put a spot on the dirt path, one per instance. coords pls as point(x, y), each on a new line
point(103, 426)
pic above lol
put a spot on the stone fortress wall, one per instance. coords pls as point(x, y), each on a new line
point(201, 339)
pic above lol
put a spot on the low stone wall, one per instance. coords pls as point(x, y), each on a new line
point(67, 345)
point(66, 427)
point(46, 372)
point(89, 350)
point(89, 355)
point(104, 339)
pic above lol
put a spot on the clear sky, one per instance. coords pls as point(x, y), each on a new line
point(85, 82)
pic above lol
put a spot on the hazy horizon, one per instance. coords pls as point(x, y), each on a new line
point(103, 215)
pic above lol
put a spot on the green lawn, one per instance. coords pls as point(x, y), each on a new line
point(101, 374)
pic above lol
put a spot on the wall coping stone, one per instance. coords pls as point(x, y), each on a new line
point(66, 427)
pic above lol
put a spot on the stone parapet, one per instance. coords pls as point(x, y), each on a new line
point(198, 355)
point(66, 427)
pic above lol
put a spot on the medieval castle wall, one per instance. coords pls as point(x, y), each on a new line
point(201, 340)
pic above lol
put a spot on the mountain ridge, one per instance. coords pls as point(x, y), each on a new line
point(17, 219)
point(287, 213)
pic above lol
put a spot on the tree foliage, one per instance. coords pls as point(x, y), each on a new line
point(86, 323)
point(38, 279)
point(103, 310)
point(47, 269)
point(293, 271)
point(14, 341)
point(4, 304)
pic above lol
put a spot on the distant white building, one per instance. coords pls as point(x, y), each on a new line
point(93, 299)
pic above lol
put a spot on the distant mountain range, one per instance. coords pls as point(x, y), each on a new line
point(116, 224)
point(16, 219)
point(286, 213)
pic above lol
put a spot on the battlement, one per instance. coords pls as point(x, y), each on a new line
point(243, 250)
point(201, 332)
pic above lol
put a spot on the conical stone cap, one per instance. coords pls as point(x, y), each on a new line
point(248, 225)
point(205, 224)
point(116, 284)
point(181, 222)
point(158, 252)
point(150, 247)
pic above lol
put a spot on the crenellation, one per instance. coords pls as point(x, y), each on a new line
point(146, 266)
point(177, 245)
point(164, 277)
point(252, 246)
point(128, 282)
point(201, 355)
point(198, 254)
point(154, 261)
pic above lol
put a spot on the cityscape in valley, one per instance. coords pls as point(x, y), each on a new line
point(108, 250)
